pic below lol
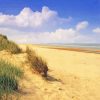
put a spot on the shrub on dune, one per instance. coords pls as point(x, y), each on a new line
point(10, 46)
point(9, 69)
point(8, 84)
point(9, 75)
point(3, 36)
point(37, 63)
point(13, 47)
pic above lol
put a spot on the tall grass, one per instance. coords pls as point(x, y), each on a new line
point(10, 46)
point(37, 63)
point(3, 36)
point(9, 76)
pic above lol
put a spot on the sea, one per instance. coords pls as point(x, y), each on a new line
point(93, 46)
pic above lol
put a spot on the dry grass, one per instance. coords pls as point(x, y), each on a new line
point(9, 75)
point(10, 46)
point(37, 63)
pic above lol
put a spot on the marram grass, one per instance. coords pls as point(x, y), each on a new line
point(10, 46)
point(9, 75)
point(37, 63)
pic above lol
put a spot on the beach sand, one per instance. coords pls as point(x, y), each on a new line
point(72, 75)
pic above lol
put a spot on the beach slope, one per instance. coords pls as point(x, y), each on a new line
point(72, 75)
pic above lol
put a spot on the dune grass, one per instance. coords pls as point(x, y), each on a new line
point(9, 76)
point(10, 46)
point(37, 63)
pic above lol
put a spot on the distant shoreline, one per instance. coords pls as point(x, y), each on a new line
point(79, 50)
point(86, 50)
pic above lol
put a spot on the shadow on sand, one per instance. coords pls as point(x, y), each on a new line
point(50, 78)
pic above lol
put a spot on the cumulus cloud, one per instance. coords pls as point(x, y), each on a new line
point(96, 30)
point(33, 21)
point(43, 26)
point(60, 35)
point(81, 25)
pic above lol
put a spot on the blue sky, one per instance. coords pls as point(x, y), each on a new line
point(72, 7)
point(62, 20)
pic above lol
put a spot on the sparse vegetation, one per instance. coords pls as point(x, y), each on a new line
point(37, 63)
point(10, 46)
point(9, 75)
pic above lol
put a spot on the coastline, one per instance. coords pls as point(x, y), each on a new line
point(77, 49)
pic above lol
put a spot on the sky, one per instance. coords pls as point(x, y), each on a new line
point(51, 21)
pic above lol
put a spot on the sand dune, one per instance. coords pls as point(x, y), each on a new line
point(72, 75)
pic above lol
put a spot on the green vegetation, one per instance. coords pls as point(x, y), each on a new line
point(37, 63)
point(10, 46)
point(9, 76)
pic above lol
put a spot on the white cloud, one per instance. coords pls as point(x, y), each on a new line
point(81, 25)
point(60, 35)
point(33, 21)
point(96, 30)
point(69, 35)
point(43, 27)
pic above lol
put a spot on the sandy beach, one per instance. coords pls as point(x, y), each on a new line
point(49, 49)
point(72, 75)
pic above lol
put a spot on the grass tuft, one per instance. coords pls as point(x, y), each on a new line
point(9, 75)
point(10, 46)
point(37, 63)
